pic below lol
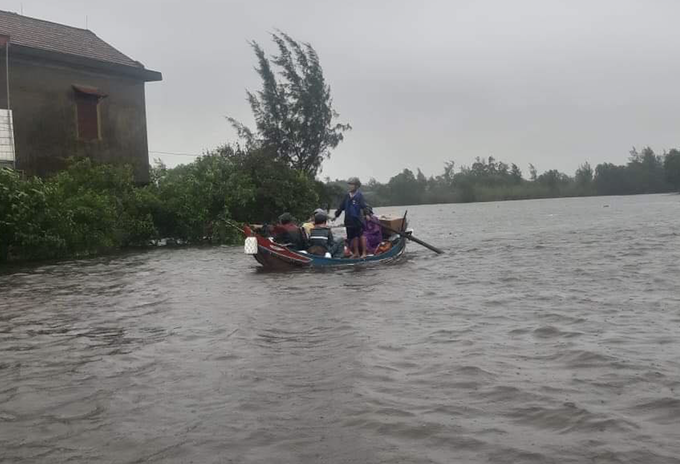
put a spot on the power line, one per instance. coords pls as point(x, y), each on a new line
point(172, 153)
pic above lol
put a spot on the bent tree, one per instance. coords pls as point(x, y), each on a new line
point(293, 111)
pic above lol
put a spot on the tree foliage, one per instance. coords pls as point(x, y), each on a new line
point(489, 179)
point(89, 209)
point(584, 175)
point(83, 210)
point(671, 166)
point(293, 111)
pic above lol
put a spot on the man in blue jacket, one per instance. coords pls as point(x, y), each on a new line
point(354, 205)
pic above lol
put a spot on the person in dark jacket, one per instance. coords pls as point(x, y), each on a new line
point(321, 239)
point(354, 205)
point(309, 225)
point(286, 232)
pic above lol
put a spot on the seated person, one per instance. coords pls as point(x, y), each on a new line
point(309, 225)
point(321, 238)
point(372, 231)
point(286, 232)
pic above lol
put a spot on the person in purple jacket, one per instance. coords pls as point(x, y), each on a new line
point(354, 206)
point(372, 231)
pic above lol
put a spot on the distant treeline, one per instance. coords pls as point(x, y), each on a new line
point(492, 180)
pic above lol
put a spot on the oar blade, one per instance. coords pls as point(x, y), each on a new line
point(414, 239)
point(426, 245)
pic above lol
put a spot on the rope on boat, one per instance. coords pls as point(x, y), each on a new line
point(234, 225)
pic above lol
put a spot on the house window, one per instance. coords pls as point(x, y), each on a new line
point(87, 109)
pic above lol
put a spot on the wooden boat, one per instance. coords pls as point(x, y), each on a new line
point(272, 255)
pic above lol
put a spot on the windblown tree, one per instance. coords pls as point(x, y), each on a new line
point(293, 111)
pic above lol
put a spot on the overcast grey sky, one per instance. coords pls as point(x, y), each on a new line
point(553, 83)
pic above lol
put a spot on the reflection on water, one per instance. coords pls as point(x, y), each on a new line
point(547, 333)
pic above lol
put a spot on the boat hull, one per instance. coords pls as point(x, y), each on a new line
point(274, 256)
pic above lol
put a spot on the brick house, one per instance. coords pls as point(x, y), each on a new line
point(71, 94)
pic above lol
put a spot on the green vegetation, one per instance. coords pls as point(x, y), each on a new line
point(491, 180)
point(671, 167)
point(84, 210)
point(294, 114)
point(90, 209)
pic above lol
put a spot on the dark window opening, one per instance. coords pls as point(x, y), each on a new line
point(88, 117)
point(87, 109)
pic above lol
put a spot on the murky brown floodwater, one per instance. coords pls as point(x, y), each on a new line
point(549, 333)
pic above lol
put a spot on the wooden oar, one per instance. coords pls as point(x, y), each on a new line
point(414, 239)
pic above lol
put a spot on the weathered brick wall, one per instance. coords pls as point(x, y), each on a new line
point(45, 123)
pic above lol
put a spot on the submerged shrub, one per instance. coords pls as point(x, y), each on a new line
point(92, 208)
point(28, 222)
point(83, 210)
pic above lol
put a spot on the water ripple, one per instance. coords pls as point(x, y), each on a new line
point(546, 334)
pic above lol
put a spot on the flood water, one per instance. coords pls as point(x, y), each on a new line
point(548, 333)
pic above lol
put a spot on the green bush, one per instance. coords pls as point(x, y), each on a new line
point(194, 200)
point(83, 210)
point(28, 222)
point(101, 207)
point(89, 208)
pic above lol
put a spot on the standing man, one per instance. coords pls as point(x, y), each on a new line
point(354, 205)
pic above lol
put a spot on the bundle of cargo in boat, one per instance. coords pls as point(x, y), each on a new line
point(390, 222)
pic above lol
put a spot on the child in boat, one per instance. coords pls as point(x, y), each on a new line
point(354, 205)
point(372, 231)
point(321, 238)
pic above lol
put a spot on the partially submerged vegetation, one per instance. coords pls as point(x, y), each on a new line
point(90, 209)
point(491, 180)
